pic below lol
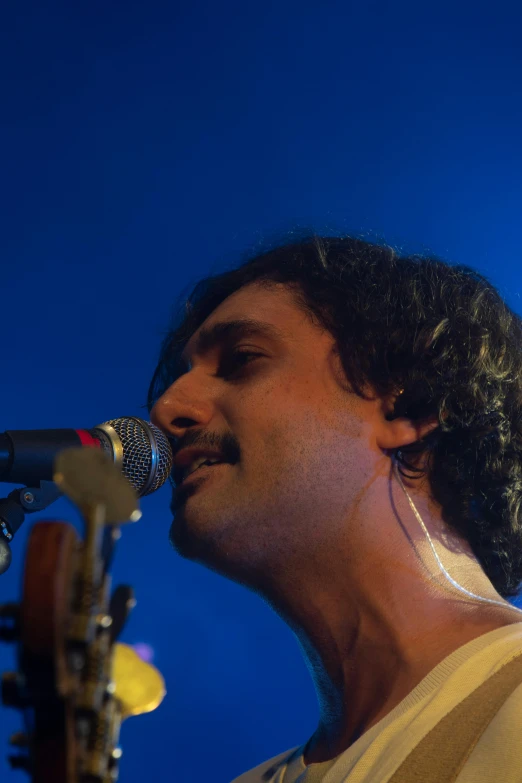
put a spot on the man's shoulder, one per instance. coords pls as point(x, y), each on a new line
point(264, 771)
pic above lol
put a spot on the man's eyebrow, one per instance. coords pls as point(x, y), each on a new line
point(226, 331)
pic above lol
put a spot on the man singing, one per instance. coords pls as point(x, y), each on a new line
point(347, 431)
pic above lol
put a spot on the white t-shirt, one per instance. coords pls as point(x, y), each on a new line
point(377, 754)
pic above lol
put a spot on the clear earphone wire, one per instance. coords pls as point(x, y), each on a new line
point(505, 604)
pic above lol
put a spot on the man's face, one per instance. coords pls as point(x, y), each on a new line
point(303, 442)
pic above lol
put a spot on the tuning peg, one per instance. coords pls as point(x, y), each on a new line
point(20, 762)
point(121, 604)
point(113, 767)
point(5, 551)
point(19, 740)
point(14, 690)
point(9, 622)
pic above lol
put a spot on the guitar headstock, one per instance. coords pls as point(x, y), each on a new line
point(75, 683)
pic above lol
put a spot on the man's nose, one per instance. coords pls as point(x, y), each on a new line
point(177, 409)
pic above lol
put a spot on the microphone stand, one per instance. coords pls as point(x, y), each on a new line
point(13, 509)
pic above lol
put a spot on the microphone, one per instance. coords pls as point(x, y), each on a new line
point(140, 448)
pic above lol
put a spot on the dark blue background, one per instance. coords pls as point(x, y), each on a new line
point(144, 145)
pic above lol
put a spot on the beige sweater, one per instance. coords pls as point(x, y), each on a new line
point(375, 756)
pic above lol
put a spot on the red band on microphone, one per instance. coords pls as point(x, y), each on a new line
point(87, 439)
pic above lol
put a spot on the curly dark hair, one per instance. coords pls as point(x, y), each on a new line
point(440, 332)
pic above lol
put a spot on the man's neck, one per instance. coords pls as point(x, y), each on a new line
point(331, 740)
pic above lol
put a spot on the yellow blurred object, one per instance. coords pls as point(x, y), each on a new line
point(139, 686)
point(90, 479)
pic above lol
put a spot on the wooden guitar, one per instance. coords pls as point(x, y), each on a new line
point(75, 683)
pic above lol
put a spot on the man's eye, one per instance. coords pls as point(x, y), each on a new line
point(234, 361)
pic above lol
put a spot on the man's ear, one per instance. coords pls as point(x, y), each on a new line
point(403, 431)
point(396, 431)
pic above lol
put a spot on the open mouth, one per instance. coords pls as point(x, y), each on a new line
point(204, 468)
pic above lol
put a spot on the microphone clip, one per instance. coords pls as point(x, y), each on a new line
point(16, 505)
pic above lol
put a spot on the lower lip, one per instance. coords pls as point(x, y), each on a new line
point(201, 472)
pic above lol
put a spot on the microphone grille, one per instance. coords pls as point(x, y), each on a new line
point(147, 455)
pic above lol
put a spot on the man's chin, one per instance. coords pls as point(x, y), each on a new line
point(182, 539)
point(207, 552)
point(191, 546)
